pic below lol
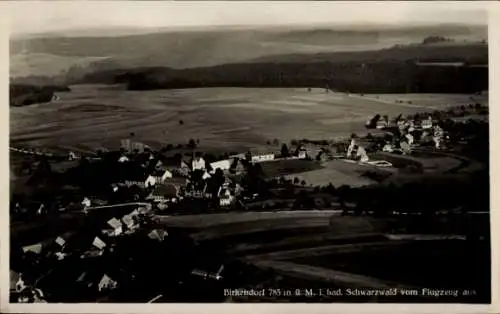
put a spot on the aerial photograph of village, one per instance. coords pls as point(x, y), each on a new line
point(273, 153)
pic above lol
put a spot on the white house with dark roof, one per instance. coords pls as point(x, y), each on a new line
point(158, 234)
point(98, 243)
point(198, 163)
point(35, 248)
point(115, 227)
point(262, 157)
point(106, 283)
point(223, 165)
point(123, 158)
point(427, 124)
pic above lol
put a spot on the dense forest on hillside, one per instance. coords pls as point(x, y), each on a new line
point(383, 77)
point(383, 71)
point(25, 95)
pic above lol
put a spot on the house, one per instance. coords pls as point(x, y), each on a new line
point(61, 242)
point(126, 145)
point(361, 154)
point(206, 176)
point(158, 234)
point(129, 222)
point(427, 124)
point(262, 157)
point(223, 165)
point(208, 275)
point(388, 148)
point(98, 243)
point(35, 248)
point(86, 202)
point(116, 227)
point(123, 158)
point(226, 200)
point(137, 146)
point(198, 163)
point(72, 156)
point(106, 283)
point(141, 178)
point(381, 124)
point(161, 175)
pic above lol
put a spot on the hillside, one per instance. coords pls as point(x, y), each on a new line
point(383, 71)
point(25, 95)
point(55, 54)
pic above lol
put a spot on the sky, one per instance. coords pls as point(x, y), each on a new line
point(29, 17)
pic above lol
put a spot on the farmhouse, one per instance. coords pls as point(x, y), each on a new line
point(161, 176)
point(225, 197)
point(388, 148)
point(427, 124)
point(223, 165)
point(126, 145)
point(361, 154)
point(35, 248)
point(382, 124)
point(198, 163)
point(256, 157)
point(158, 235)
point(98, 243)
point(301, 152)
point(107, 283)
point(115, 228)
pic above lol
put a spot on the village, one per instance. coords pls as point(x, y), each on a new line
point(121, 195)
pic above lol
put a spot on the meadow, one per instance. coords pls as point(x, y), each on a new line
point(98, 116)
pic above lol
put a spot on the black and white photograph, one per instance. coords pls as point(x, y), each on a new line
point(249, 152)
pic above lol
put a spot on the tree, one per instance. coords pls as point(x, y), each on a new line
point(296, 180)
point(192, 143)
point(284, 151)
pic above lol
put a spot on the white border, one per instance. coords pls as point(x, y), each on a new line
point(494, 94)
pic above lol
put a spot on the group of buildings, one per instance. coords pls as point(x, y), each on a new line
point(406, 131)
point(87, 248)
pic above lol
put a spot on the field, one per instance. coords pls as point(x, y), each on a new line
point(96, 116)
point(286, 167)
point(344, 251)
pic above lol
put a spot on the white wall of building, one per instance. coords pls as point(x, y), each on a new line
point(261, 158)
point(221, 164)
point(198, 164)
